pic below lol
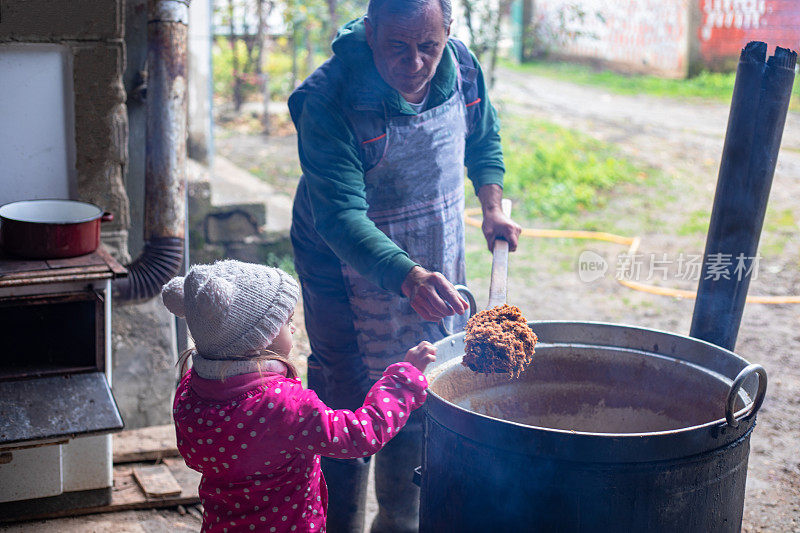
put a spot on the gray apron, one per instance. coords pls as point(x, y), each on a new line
point(416, 197)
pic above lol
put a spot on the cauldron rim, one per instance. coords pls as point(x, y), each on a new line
point(697, 438)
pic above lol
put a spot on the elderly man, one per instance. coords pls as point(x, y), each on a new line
point(385, 129)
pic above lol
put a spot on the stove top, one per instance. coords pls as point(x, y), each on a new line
point(94, 266)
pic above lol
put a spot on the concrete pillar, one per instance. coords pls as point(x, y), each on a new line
point(201, 140)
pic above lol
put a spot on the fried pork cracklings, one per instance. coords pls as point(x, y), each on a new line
point(499, 340)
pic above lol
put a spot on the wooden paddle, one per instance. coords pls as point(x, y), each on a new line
point(498, 285)
point(498, 288)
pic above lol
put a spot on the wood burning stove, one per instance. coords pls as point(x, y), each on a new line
point(56, 406)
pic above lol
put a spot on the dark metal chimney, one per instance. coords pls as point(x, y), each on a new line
point(755, 126)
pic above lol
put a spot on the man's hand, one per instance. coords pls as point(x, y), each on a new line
point(496, 225)
point(431, 295)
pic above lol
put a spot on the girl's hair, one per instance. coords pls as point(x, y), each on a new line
point(257, 355)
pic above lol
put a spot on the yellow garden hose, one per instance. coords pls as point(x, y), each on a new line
point(633, 246)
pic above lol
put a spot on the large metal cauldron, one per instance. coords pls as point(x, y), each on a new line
point(613, 428)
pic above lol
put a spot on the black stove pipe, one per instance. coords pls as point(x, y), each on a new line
point(755, 126)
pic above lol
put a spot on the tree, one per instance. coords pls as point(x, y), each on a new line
point(333, 19)
point(248, 48)
point(484, 19)
point(263, 10)
point(305, 36)
point(232, 39)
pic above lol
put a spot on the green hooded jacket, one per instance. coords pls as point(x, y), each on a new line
point(330, 156)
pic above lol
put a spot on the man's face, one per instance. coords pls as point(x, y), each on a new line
point(407, 50)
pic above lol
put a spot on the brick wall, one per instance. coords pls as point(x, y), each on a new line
point(727, 25)
point(636, 35)
point(92, 31)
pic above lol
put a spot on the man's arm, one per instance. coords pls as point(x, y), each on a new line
point(432, 296)
point(335, 178)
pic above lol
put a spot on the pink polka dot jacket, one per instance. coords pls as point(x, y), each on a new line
point(257, 440)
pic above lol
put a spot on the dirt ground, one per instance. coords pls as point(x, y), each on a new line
point(682, 141)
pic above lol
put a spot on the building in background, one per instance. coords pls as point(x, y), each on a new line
point(671, 38)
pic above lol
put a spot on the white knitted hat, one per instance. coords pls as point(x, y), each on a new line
point(232, 307)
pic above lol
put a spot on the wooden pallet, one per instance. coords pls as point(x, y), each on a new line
point(129, 493)
point(148, 471)
point(145, 444)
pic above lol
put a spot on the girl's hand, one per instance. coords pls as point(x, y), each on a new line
point(421, 355)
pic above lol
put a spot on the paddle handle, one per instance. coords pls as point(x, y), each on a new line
point(498, 285)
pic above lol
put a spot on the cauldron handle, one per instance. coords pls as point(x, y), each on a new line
point(746, 372)
point(473, 307)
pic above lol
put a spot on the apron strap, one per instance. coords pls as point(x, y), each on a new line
point(468, 83)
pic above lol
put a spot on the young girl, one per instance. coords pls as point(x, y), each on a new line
point(243, 419)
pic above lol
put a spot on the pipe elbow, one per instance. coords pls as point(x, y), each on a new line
point(159, 262)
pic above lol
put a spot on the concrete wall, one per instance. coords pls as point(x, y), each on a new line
point(648, 36)
point(727, 25)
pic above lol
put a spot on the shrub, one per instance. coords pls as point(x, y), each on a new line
point(554, 172)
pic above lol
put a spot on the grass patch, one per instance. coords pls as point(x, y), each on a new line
point(781, 221)
point(284, 262)
point(707, 85)
point(696, 223)
point(533, 259)
point(557, 177)
point(780, 229)
point(555, 173)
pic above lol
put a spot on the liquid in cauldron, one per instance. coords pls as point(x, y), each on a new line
point(576, 392)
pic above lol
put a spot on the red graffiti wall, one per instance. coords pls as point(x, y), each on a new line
point(727, 25)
